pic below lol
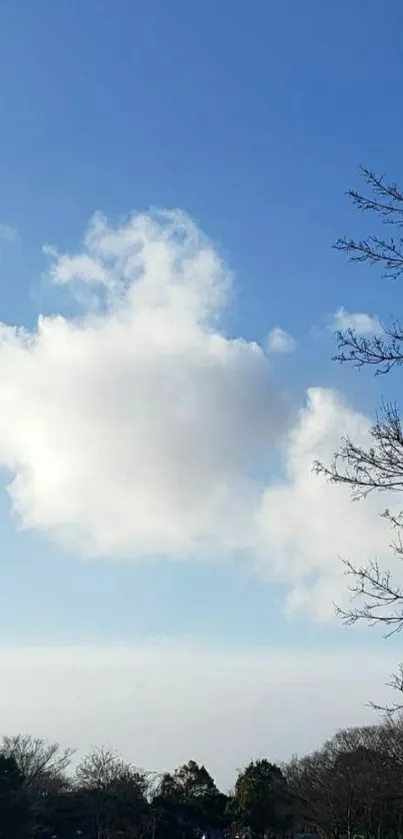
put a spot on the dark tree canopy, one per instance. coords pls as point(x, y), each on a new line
point(351, 787)
point(16, 818)
point(262, 799)
point(191, 794)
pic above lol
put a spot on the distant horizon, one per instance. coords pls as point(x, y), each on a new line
point(161, 704)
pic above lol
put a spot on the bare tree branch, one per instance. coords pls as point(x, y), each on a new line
point(383, 351)
point(376, 596)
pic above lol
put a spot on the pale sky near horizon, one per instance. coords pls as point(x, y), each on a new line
point(172, 179)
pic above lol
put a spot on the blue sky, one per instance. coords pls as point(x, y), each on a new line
point(252, 118)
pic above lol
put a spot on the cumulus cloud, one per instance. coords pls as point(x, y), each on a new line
point(140, 429)
point(161, 704)
point(359, 322)
point(279, 341)
point(307, 525)
point(136, 429)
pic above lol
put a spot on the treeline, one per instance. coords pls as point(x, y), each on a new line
point(352, 787)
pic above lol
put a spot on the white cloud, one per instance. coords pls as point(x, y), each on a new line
point(279, 341)
point(306, 525)
point(7, 233)
point(359, 322)
point(141, 429)
point(136, 430)
point(162, 704)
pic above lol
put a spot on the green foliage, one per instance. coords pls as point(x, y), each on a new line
point(352, 788)
point(191, 796)
point(262, 800)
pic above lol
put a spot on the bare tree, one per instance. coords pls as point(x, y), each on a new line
point(352, 786)
point(114, 795)
point(377, 597)
point(101, 768)
point(42, 764)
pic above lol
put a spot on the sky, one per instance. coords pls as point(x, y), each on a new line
point(173, 176)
